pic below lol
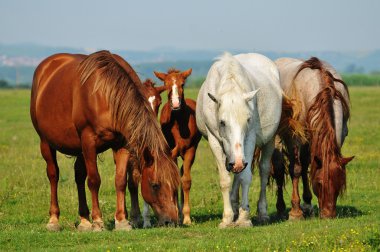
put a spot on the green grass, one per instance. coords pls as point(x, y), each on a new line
point(24, 196)
point(362, 79)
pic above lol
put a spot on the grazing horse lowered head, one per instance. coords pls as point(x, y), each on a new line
point(238, 108)
point(83, 105)
point(179, 126)
point(152, 94)
point(322, 103)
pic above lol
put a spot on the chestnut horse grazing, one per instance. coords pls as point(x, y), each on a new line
point(152, 94)
point(83, 105)
point(179, 126)
point(322, 106)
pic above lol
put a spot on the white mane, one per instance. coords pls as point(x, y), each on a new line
point(232, 74)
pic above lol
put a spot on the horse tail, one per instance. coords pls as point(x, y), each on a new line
point(328, 80)
point(289, 123)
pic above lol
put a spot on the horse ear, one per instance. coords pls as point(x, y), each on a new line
point(346, 160)
point(213, 98)
point(160, 89)
point(186, 73)
point(249, 96)
point(161, 76)
point(318, 161)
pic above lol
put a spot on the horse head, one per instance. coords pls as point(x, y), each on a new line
point(153, 94)
point(159, 183)
point(235, 113)
point(328, 181)
point(174, 81)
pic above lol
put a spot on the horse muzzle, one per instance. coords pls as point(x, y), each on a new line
point(236, 168)
point(175, 106)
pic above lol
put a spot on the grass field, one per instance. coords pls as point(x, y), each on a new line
point(24, 197)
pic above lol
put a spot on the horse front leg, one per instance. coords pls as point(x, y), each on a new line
point(93, 178)
point(121, 157)
point(245, 179)
point(52, 172)
point(133, 186)
point(264, 166)
point(295, 173)
point(225, 181)
point(234, 196)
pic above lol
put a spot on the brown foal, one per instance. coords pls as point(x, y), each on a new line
point(179, 126)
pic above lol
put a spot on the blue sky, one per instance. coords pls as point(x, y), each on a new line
point(299, 25)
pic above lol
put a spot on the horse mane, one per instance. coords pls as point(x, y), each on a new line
point(231, 69)
point(321, 124)
point(130, 111)
point(149, 83)
point(173, 70)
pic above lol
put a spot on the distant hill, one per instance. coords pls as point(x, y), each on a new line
point(17, 62)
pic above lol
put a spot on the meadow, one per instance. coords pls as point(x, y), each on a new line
point(25, 196)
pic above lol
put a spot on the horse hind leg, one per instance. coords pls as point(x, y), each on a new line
point(307, 207)
point(279, 176)
point(80, 179)
point(186, 184)
point(52, 170)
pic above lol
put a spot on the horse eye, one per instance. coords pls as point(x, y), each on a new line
point(222, 123)
point(155, 186)
point(248, 120)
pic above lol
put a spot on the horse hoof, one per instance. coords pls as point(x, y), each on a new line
point(224, 225)
point(263, 219)
point(243, 224)
point(97, 226)
point(84, 226)
point(122, 225)
point(296, 216)
point(187, 221)
point(308, 210)
point(53, 227)
point(135, 222)
point(147, 224)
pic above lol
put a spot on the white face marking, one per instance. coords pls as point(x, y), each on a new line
point(175, 90)
point(151, 100)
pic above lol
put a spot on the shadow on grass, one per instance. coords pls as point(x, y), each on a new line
point(348, 212)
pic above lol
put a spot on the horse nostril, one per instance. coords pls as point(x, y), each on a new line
point(230, 166)
point(245, 164)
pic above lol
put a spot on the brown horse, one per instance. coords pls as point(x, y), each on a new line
point(152, 95)
point(180, 129)
point(321, 105)
point(83, 105)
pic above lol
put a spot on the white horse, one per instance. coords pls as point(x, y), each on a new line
point(238, 108)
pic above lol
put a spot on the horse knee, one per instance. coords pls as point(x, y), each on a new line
point(297, 171)
point(120, 184)
point(94, 181)
point(186, 183)
point(225, 183)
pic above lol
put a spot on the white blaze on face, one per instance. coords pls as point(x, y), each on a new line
point(151, 100)
point(175, 96)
